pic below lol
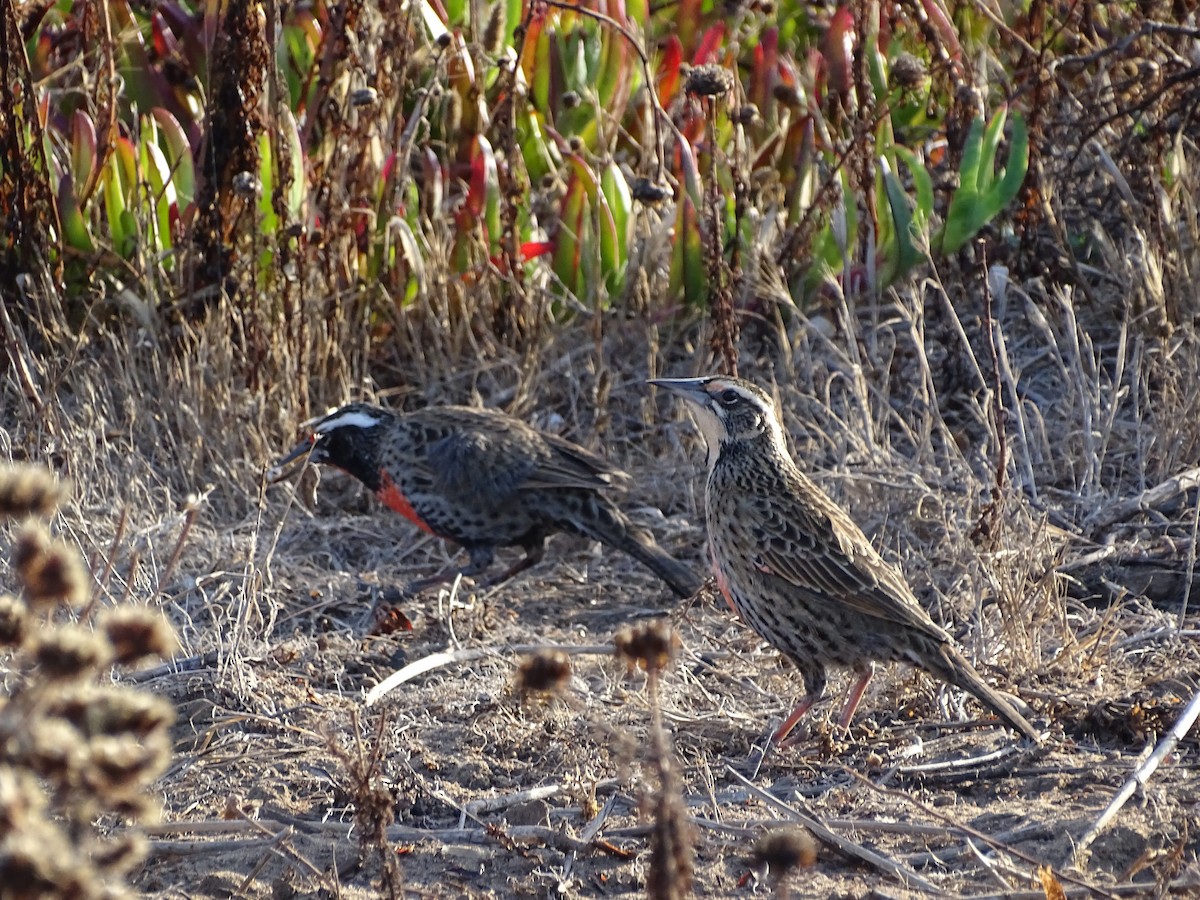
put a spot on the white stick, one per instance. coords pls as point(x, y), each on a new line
point(445, 658)
point(1139, 778)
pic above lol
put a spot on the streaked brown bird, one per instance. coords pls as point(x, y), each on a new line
point(484, 480)
point(798, 570)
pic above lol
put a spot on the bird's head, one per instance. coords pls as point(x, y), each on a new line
point(346, 438)
point(728, 410)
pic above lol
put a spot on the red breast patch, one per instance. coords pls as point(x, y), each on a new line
point(394, 499)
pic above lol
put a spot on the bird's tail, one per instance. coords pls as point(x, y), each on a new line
point(959, 672)
point(600, 520)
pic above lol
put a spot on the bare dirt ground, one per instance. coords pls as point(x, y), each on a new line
point(495, 795)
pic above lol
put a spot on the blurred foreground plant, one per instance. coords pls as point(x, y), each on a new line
point(77, 753)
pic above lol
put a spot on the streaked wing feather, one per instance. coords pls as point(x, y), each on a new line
point(839, 564)
point(459, 459)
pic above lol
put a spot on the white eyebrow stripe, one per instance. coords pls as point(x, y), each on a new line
point(354, 419)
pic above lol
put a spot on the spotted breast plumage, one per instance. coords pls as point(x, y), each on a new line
point(798, 569)
point(485, 480)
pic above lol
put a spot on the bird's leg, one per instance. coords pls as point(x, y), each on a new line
point(806, 703)
point(855, 694)
point(779, 735)
point(534, 551)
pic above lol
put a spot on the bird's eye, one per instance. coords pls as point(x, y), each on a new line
point(729, 396)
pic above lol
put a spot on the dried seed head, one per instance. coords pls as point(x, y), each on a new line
point(137, 633)
point(53, 749)
point(545, 672)
point(783, 851)
point(13, 618)
point(650, 646)
point(708, 81)
point(69, 652)
point(120, 766)
point(569, 100)
point(646, 191)
point(21, 799)
point(246, 184)
point(493, 33)
point(444, 39)
point(576, 144)
point(788, 95)
point(51, 571)
point(29, 491)
point(38, 861)
point(746, 114)
point(907, 71)
point(119, 855)
point(113, 710)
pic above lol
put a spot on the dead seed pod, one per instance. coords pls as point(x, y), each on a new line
point(50, 570)
point(646, 191)
point(650, 646)
point(112, 710)
point(38, 861)
point(137, 633)
point(21, 799)
point(709, 80)
point(27, 490)
point(119, 855)
point(13, 618)
point(69, 652)
point(122, 766)
point(545, 672)
point(908, 72)
point(781, 852)
point(52, 748)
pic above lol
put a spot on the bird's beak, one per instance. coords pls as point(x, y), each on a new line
point(277, 473)
point(694, 390)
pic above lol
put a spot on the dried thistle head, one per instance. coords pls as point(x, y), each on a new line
point(137, 633)
point(29, 491)
point(13, 618)
point(69, 652)
point(112, 710)
point(908, 72)
point(649, 192)
point(38, 861)
point(118, 855)
point(493, 33)
point(121, 766)
point(21, 799)
point(708, 80)
point(50, 570)
point(53, 749)
point(650, 646)
point(544, 672)
point(783, 851)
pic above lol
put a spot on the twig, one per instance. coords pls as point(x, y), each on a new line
point(445, 658)
point(1164, 492)
point(970, 762)
point(968, 831)
point(517, 834)
point(492, 804)
point(845, 845)
point(588, 835)
point(1185, 600)
point(1142, 775)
